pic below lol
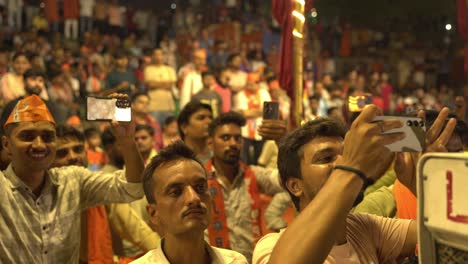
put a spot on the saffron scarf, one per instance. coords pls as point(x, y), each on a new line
point(218, 230)
point(99, 238)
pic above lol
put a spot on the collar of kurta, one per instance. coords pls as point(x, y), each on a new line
point(17, 183)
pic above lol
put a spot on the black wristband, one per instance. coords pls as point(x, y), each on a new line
point(359, 173)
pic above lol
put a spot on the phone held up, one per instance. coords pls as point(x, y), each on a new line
point(271, 111)
point(415, 134)
point(108, 109)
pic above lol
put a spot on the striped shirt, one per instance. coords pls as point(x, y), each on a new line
point(46, 228)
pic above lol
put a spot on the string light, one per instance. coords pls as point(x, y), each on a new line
point(297, 34)
point(298, 15)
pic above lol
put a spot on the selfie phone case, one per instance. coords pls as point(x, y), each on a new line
point(415, 134)
point(108, 109)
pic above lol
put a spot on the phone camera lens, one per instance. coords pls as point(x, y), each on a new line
point(421, 123)
point(416, 123)
point(409, 123)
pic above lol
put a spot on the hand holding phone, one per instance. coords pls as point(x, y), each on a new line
point(415, 134)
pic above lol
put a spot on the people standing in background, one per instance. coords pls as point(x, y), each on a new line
point(86, 16)
point(94, 154)
point(71, 14)
point(12, 83)
point(94, 83)
point(100, 16)
point(159, 81)
point(116, 17)
point(121, 79)
point(15, 14)
point(249, 102)
point(140, 103)
point(170, 131)
point(193, 123)
point(208, 95)
point(190, 76)
point(237, 78)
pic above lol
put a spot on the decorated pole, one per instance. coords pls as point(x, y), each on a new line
point(298, 43)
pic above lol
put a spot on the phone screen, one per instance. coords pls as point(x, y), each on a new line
point(108, 109)
point(271, 110)
point(357, 103)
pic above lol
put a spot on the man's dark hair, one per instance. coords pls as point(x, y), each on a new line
point(107, 137)
point(231, 57)
point(138, 94)
point(291, 148)
point(224, 119)
point(92, 131)
point(19, 54)
point(173, 152)
point(65, 131)
point(207, 73)
point(187, 112)
point(35, 72)
point(314, 97)
point(169, 120)
point(148, 129)
point(120, 54)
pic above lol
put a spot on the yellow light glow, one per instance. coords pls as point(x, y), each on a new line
point(297, 34)
point(298, 15)
point(302, 2)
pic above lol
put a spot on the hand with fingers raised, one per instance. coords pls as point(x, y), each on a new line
point(364, 144)
point(437, 138)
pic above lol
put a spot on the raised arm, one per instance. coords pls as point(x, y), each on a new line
point(125, 137)
point(363, 149)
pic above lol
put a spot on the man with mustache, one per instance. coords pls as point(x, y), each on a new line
point(235, 187)
point(41, 207)
point(175, 184)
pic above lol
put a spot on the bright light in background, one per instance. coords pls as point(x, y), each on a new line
point(297, 34)
point(448, 27)
point(173, 6)
point(302, 2)
point(299, 16)
point(313, 12)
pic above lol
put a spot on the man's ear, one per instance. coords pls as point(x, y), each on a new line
point(6, 144)
point(153, 214)
point(183, 128)
point(295, 186)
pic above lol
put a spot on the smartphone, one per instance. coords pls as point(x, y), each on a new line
point(415, 134)
point(357, 103)
point(271, 110)
point(108, 109)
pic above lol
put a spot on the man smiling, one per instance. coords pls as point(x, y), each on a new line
point(41, 207)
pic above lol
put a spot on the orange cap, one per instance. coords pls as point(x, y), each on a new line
point(30, 109)
point(74, 120)
point(253, 77)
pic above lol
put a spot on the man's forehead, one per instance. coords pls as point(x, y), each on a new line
point(39, 125)
point(320, 144)
point(68, 142)
point(228, 129)
point(176, 172)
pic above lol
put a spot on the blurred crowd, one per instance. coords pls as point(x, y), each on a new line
point(183, 69)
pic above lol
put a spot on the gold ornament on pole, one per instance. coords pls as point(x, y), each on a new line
point(298, 40)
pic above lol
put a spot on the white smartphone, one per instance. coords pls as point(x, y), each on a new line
point(415, 132)
point(108, 109)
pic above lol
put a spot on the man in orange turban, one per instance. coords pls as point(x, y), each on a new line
point(41, 206)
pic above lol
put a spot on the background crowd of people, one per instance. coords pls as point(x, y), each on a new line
point(183, 69)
